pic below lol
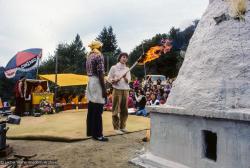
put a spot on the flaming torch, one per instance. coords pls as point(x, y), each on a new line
point(152, 54)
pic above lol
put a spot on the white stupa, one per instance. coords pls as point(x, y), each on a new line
point(216, 71)
point(206, 121)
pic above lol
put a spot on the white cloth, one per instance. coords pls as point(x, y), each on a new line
point(138, 98)
point(155, 103)
point(118, 71)
point(94, 90)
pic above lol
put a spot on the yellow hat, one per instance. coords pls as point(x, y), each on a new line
point(95, 44)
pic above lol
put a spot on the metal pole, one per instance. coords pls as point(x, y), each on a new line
point(145, 73)
point(37, 71)
point(56, 71)
point(38, 63)
point(107, 64)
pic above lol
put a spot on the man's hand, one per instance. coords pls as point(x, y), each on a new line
point(115, 81)
point(101, 78)
point(126, 80)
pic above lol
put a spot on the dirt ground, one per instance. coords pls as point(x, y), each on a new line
point(85, 154)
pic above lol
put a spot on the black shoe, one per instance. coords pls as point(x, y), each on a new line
point(102, 138)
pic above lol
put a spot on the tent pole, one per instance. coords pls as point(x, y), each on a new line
point(56, 71)
point(145, 73)
point(37, 69)
point(38, 63)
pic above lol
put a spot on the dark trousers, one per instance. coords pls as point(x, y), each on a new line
point(20, 106)
point(94, 119)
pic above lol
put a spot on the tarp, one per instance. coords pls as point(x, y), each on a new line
point(68, 126)
point(66, 79)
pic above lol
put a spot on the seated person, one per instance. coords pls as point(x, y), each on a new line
point(130, 102)
point(148, 98)
point(162, 101)
point(63, 100)
point(167, 88)
point(108, 105)
point(154, 101)
point(141, 103)
point(158, 81)
point(38, 89)
point(74, 99)
point(136, 84)
point(69, 98)
point(83, 99)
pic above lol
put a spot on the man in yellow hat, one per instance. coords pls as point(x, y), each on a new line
point(96, 92)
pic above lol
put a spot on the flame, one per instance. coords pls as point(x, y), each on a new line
point(156, 51)
point(152, 54)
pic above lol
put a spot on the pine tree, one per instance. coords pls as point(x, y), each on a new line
point(71, 58)
point(110, 48)
point(168, 64)
point(108, 38)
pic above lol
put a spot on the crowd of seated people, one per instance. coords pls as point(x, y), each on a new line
point(141, 96)
point(72, 101)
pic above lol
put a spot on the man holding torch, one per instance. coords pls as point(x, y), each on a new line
point(119, 76)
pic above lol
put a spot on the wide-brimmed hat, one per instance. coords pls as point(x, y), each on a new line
point(95, 44)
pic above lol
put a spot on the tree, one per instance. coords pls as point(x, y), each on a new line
point(7, 88)
point(110, 48)
point(48, 65)
point(1, 72)
point(1, 81)
point(71, 58)
point(108, 38)
point(168, 64)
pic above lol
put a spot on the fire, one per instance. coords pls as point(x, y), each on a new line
point(156, 51)
point(153, 53)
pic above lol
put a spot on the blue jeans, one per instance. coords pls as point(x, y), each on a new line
point(142, 112)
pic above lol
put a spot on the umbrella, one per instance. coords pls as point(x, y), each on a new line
point(24, 61)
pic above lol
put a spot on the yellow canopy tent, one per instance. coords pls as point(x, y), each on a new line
point(66, 79)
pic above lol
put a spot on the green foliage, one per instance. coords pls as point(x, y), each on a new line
point(6, 88)
point(110, 48)
point(111, 59)
point(168, 64)
point(48, 66)
point(71, 58)
point(108, 38)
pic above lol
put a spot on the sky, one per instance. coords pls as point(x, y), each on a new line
point(46, 23)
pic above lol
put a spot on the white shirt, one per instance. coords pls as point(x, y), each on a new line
point(118, 71)
point(156, 102)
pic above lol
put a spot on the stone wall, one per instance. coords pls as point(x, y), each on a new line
point(180, 139)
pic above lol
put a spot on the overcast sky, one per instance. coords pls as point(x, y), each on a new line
point(46, 23)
